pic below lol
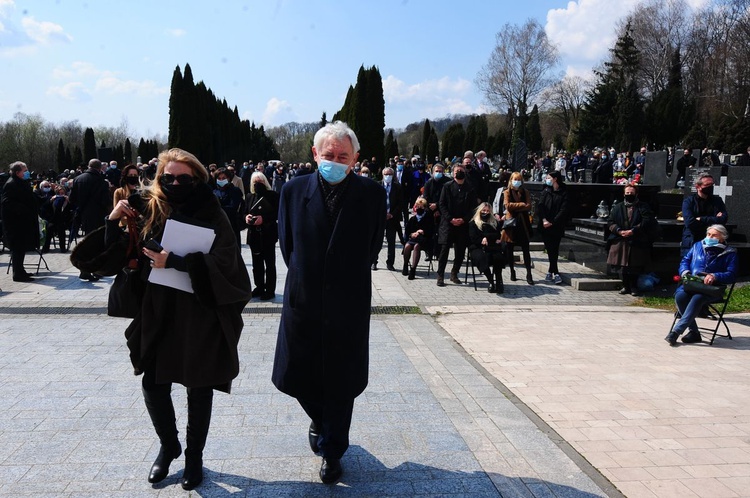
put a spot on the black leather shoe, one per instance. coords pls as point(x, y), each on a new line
point(440, 282)
point(390, 267)
point(192, 477)
point(672, 338)
point(491, 289)
point(692, 337)
point(513, 275)
point(330, 470)
point(267, 296)
point(312, 436)
point(257, 292)
point(624, 291)
point(160, 468)
point(529, 280)
point(23, 278)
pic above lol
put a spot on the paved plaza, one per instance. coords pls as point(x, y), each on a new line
point(544, 391)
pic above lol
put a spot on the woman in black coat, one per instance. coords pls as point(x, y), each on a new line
point(419, 230)
point(552, 212)
point(485, 247)
point(189, 338)
point(261, 213)
point(230, 198)
point(629, 243)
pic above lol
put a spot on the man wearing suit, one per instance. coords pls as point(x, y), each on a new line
point(331, 227)
point(394, 203)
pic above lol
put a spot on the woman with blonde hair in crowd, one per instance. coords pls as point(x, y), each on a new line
point(486, 247)
point(177, 336)
point(419, 230)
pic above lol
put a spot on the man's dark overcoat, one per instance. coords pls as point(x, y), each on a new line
point(91, 199)
point(323, 344)
point(20, 218)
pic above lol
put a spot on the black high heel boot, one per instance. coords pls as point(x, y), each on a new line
point(200, 402)
point(161, 410)
point(499, 287)
point(529, 280)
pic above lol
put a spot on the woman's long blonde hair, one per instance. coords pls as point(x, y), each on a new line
point(477, 218)
point(158, 207)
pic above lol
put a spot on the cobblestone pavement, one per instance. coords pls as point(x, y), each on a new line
point(479, 395)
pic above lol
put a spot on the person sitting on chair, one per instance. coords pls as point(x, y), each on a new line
point(712, 259)
point(419, 230)
point(485, 246)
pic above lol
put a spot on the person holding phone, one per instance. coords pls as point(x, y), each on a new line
point(177, 336)
point(262, 207)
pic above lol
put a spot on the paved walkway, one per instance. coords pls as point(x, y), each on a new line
point(544, 391)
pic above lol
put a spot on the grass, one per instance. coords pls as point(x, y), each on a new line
point(740, 302)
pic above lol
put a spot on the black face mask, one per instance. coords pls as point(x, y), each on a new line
point(260, 188)
point(630, 198)
point(132, 180)
point(177, 193)
point(708, 191)
point(484, 216)
point(420, 211)
point(460, 175)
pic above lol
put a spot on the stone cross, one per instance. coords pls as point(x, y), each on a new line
point(722, 189)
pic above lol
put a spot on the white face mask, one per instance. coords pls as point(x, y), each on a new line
point(387, 179)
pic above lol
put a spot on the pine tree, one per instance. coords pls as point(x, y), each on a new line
point(453, 141)
point(433, 148)
point(60, 159)
point(534, 131)
point(89, 145)
point(426, 131)
point(78, 157)
point(127, 152)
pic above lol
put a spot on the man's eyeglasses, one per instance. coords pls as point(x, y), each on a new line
point(168, 179)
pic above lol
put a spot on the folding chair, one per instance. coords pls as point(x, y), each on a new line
point(470, 263)
point(717, 309)
point(26, 265)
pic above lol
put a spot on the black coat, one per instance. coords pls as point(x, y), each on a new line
point(396, 206)
point(426, 224)
point(20, 215)
point(708, 211)
point(553, 206)
point(90, 198)
point(322, 349)
point(456, 201)
point(267, 233)
point(192, 338)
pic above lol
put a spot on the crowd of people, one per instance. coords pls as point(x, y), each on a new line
point(330, 227)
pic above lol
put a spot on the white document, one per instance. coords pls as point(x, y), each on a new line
point(181, 239)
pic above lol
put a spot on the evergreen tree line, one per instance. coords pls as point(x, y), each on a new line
point(46, 146)
point(204, 125)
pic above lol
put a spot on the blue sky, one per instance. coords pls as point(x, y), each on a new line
point(105, 62)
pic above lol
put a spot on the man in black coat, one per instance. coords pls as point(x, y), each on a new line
point(20, 218)
point(393, 215)
point(331, 227)
point(687, 161)
point(700, 211)
point(457, 203)
point(91, 200)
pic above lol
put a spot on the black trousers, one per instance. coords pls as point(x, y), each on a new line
point(459, 240)
point(264, 265)
point(551, 241)
point(391, 228)
point(18, 256)
point(333, 420)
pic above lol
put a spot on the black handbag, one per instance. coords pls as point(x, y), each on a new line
point(510, 223)
point(126, 292)
point(698, 287)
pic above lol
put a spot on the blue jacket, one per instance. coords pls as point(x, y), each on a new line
point(721, 261)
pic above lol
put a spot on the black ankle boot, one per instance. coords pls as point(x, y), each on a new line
point(512, 274)
point(500, 288)
point(405, 270)
point(160, 468)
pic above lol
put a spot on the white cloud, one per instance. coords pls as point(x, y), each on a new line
point(396, 90)
point(94, 80)
point(44, 32)
point(278, 112)
point(176, 32)
point(74, 91)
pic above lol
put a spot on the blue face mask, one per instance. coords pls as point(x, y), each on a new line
point(222, 183)
point(516, 183)
point(438, 176)
point(710, 242)
point(548, 182)
point(26, 175)
point(332, 172)
point(400, 167)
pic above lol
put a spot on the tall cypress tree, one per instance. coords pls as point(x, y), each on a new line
point(426, 131)
point(60, 158)
point(128, 152)
point(89, 145)
point(534, 131)
point(77, 157)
